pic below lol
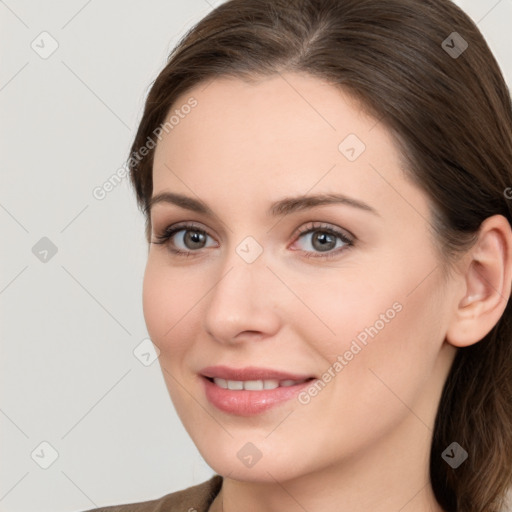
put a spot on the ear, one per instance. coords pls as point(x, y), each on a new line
point(485, 291)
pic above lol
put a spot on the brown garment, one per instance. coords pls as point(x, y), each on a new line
point(198, 498)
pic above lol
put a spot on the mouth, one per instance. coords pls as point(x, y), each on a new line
point(250, 391)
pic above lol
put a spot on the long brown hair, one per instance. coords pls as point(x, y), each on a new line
point(443, 97)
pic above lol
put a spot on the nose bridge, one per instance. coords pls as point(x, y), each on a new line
point(240, 299)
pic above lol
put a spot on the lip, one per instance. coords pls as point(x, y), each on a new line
point(248, 402)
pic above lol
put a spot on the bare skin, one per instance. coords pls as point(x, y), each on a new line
point(363, 442)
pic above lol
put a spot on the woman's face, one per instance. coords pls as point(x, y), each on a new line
point(348, 293)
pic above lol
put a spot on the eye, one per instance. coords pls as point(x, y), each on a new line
point(192, 239)
point(323, 238)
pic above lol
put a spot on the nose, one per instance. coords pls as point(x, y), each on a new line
point(243, 303)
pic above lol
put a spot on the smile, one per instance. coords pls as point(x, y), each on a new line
point(255, 385)
point(251, 397)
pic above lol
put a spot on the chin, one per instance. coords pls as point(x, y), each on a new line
point(243, 461)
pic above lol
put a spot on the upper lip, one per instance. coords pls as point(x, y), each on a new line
point(249, 373)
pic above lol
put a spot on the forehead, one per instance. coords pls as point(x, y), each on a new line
point(290, 107)
point(285, 134)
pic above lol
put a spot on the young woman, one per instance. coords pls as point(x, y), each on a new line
point(326, 186)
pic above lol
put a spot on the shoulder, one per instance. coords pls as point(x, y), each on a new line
point(192, 499)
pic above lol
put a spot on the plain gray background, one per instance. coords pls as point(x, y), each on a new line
point(72, 374)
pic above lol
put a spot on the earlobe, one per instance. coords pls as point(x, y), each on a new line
point(487, 284)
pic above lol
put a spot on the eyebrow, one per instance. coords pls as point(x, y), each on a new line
point(280, 208)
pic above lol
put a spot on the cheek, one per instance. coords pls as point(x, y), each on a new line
point(377, 383)
point(360, 307)
point(382, 324)
point(402, 340)
point(154, 302)
point(166, 298)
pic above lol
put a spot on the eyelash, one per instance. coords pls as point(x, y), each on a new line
point(164, 237)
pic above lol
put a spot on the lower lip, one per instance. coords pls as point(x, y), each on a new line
point(246, 402)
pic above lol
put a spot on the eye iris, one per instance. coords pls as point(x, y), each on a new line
point(321, 236)
point(195, 237)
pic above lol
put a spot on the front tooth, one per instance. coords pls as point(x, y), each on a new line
point(235, 384)
point(253, 385)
